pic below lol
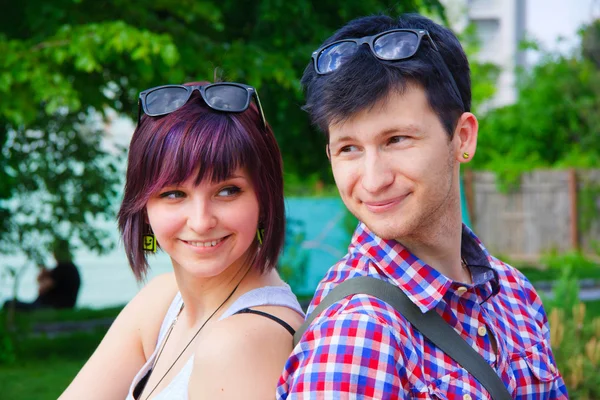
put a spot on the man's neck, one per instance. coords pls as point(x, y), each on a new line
point(440, 247)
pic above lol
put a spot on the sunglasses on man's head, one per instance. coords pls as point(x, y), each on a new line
point(222, 96)
point(392, 45)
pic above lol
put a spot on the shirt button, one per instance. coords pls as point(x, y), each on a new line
point(482, 331)
point(461, 290)
point(467, 397)
point(552, 368)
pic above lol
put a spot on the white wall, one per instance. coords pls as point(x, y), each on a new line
point(549, 20)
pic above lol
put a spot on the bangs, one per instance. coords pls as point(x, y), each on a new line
point(198, 144)
point(213, 147)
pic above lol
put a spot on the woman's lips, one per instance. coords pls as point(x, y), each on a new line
point(205, 246)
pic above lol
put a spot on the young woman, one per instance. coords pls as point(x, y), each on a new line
point(204, 183)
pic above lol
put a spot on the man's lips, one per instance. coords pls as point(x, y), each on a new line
point(383, 205)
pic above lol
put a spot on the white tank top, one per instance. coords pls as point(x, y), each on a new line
point(177, 389)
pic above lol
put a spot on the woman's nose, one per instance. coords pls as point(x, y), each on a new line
point(201, 217)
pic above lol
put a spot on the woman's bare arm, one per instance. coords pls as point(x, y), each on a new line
point(110, 370)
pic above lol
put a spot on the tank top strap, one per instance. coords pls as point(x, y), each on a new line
point(170, 316)
point(265, 296)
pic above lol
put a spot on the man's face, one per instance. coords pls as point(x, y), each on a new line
point(394, 165)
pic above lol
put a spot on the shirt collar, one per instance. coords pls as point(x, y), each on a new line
point(423, 284)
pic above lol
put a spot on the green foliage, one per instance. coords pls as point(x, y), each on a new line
point(7, 348)
point(587, 205)
point(575, 339)
point(553, 264)
point(576, 262)
point(590, 42)
point(309, 186)
point(554, 122)
point(484, 75)
point(66, 62)
point(88, 53)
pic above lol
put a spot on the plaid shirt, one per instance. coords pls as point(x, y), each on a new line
point(361, 348)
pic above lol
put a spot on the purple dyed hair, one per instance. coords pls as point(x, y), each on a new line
point(167, 150)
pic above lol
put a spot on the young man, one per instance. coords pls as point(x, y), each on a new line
point(393, 97)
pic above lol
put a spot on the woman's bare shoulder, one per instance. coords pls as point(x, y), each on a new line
point(150, 306)
point(246, 349)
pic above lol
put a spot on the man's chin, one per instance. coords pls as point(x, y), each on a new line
point(384, 230)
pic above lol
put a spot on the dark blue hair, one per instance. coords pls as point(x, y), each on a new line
point(363, 80)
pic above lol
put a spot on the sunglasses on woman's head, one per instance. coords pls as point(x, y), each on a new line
point(222, 96)
point(392, 45)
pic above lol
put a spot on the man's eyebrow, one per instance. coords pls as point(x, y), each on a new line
point(397, 129)
point(411, 129)
point(342, 139)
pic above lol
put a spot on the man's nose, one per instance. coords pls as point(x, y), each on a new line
point(377, 174)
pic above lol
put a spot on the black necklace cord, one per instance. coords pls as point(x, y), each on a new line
point(193, 337)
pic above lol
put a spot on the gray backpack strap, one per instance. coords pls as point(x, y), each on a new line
point(430, 324)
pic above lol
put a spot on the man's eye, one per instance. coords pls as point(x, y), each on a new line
point(229, 191)
point(172, 194)
point(396, 139)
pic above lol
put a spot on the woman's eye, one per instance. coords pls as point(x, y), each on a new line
point(172, 194)
point(229, 191)
point(348, 149)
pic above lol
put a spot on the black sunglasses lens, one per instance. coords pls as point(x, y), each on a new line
point(396, 45)
point(166, 100)
point(332, 57)
point(227, 98)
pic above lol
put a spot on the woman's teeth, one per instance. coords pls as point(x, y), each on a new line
point(212, 243)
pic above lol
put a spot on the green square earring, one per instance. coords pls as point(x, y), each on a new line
point(260, 233)
point(149, 241)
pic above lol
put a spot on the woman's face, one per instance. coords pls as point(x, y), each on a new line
point(206, 228)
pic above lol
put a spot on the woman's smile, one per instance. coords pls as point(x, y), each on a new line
point(206, 246)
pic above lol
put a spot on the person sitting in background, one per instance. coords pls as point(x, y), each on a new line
point(57, 287)
point(205, 180)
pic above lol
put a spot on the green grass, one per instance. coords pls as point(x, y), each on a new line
point(37, 380)
point(74, 346)
point(78, 314)
point(45, 367)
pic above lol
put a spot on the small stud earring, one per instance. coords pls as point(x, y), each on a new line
point(466, 155)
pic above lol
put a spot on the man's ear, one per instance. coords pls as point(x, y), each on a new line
point(465, 137)
point(328, 152)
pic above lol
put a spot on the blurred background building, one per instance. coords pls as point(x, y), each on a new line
point(503, 25)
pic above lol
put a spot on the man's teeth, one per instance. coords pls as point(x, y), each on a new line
point(206, 244)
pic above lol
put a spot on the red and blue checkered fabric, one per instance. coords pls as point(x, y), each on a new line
point(361, 348)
